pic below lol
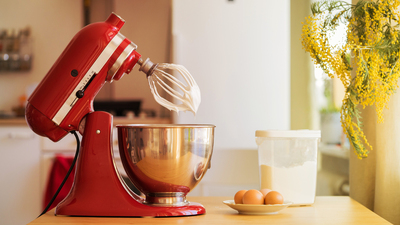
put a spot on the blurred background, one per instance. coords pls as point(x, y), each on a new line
point(245, 55)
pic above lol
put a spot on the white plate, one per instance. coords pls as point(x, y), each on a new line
point(257, 209)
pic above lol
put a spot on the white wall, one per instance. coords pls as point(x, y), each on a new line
point(303, 96)
point(239, 54)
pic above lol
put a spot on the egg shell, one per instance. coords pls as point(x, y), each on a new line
point(254, 197)
point(273, 197)
point(265, 191)
point(239, 196)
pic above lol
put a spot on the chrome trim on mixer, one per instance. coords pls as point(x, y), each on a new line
point(166, 199)
point(120, 60)
point(94, 69)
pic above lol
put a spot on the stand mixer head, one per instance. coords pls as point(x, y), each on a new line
point(63, 102)
point(97, 54)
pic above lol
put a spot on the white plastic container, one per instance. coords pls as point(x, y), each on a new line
point(288, 163)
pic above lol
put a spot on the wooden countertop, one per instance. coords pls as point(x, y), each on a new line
point(325, 210)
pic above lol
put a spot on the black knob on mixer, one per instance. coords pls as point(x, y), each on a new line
point(74, 73)
point(79, 94)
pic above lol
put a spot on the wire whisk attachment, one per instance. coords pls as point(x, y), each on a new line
point(185, 93)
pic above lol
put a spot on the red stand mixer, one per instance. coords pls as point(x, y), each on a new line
point(164, 162)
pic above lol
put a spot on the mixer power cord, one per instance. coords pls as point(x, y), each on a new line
point(78, 144)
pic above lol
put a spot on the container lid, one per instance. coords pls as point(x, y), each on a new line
point(289, 133)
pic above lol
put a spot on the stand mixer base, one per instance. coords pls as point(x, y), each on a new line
point(98, 190)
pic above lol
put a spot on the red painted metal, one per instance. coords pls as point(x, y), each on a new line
point(58, 84)
point(98, 189)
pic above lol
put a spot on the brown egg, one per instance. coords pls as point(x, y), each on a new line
point(273, 197)
point(254, 197)
point(265, 191)
point(239, 196)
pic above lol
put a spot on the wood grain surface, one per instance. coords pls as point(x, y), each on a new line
point(325, 210)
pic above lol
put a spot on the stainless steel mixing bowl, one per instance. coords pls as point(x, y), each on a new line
point(163, 161)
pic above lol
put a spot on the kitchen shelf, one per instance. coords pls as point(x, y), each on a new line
point(15, 50)
point(14, 121)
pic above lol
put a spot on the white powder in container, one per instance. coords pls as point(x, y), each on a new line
point(297, 184)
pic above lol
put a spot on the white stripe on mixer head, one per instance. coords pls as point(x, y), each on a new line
point(94, 69)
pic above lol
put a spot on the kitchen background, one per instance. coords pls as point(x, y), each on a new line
point(246, 56)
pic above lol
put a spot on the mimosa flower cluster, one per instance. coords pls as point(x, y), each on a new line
point(370, 46)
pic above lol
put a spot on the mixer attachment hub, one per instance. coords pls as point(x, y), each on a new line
point(147, 66)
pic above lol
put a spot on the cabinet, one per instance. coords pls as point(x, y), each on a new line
point(25, 162)
point(20, 191)
point(15, 50)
